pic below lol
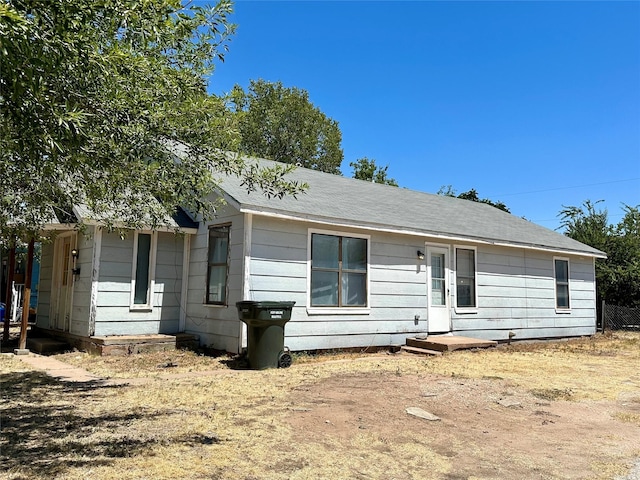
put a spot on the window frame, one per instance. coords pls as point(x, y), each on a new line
point(356, 310)
point(223, 303)
point(151, 279)
point(474, 307)
point(560, 309)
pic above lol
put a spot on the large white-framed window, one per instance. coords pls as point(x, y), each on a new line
point(466, 279)
point(561, 277)
point(217, 265)
point(338, 279)
point(143, 271)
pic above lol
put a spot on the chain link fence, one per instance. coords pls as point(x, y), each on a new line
point(621, 318)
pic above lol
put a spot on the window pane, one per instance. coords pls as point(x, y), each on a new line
point(562, 296)
point(324, 288)
point(562, 271)
point(465, 292)
point(140, 296)
point(354, 289)
point(217, 284)
point(437, 265)
point(465, 263)
point(354, 253)
point(437, 292)
point(324, 251)
point(218, 245)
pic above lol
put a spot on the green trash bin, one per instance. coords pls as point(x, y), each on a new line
point(265, 333)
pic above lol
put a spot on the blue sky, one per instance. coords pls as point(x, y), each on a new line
point(536, 104)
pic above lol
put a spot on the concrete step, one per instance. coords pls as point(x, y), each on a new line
point(46, 345)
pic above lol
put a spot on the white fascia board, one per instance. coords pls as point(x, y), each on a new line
point(400, 231)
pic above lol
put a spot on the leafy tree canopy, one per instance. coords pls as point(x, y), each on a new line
point(365, 169)
point(92, 94)
point(617, 276)
point(473, 196)
point(282, 124)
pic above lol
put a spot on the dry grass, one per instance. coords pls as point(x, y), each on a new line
point(152, 364)
point(569, 366)
point(231, 425)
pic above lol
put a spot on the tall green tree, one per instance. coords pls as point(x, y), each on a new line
point(473, 196)
point(617, 276)
point(365, 169)
point(95, 96)
point(281, 123)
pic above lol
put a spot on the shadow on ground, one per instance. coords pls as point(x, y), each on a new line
point(43, 433)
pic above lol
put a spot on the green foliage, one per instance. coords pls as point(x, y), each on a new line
point(365, 169)
point(95, 95)
point(281, 124)
point(472, 195)
point(617, 276)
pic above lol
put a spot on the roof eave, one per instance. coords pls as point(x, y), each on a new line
point(160, 228)
point(406, 231)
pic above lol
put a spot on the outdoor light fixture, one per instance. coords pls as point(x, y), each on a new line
point(74, 255)
point(420, 255)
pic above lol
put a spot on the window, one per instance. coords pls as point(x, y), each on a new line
point(561, 272)
point(338, 271)
point(465, 278)
point(144, 246)
point(217, 265)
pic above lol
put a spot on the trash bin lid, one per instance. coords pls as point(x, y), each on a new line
point(264, 304)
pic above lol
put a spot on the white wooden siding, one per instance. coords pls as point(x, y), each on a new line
point(79, 324)
point(397, 286)
point(113, 313)
point(516, 293)
point(516, 289)
point(217, 326)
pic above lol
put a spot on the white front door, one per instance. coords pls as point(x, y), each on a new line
point(439, 320)
point(63, 284)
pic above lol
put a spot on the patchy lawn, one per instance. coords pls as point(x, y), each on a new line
point(557, 410)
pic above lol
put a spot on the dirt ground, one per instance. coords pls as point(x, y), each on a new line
point(487, 428)
point(557, 410)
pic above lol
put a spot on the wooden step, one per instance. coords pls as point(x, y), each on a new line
point(449, 343)
point(419, 351)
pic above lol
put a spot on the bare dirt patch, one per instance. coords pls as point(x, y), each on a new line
point(488, 428)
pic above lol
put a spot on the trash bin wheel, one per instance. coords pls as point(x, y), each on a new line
point(284, 360)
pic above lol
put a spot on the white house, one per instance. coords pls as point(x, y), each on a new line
point(366, 264)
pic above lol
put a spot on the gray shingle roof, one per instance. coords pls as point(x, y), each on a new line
point(346, 201)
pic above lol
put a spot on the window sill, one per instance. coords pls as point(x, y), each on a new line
point(140, 308)
point(563, 310)
point(338, 310)
point(215, 305)
point(466, 311)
